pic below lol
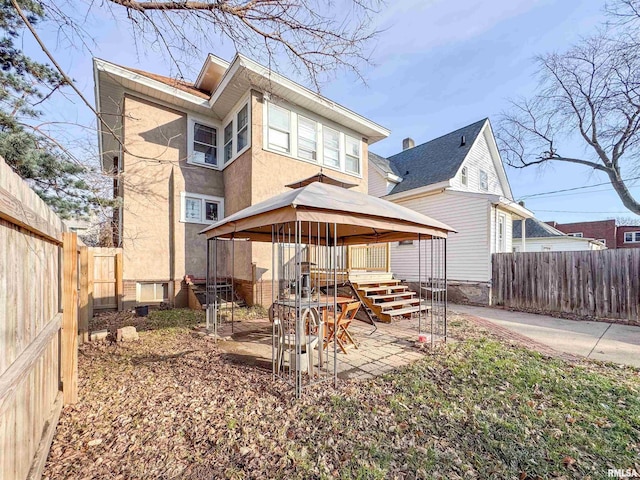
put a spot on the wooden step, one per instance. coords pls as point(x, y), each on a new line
point(397, 303)
point(387, 288)
point(391, 295)
point(376, 282)
point(407, 311)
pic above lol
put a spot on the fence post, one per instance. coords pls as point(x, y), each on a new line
point(83, 310)
point(119, 287)
point(69, 354)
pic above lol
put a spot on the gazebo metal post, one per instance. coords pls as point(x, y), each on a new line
point(419, 284)
point(446, 290)
point(273, 307)
point(206, 296)
point(433, 292)
point(215, 289)
point(233, 277)
point(335, 304)
point(298, 312)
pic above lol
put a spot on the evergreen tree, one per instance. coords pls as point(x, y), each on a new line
point(24, 83)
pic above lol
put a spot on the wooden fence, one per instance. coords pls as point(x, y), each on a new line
point(602, 284)
point(41, 288)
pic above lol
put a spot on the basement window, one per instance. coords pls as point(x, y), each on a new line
point(152, 292)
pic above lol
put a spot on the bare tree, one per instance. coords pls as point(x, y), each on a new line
point(590, 92)
point(313, 37)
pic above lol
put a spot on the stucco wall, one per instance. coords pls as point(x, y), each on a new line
point(157, 246)
point(271, 172)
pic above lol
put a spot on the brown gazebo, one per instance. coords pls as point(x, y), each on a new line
point(309, 227)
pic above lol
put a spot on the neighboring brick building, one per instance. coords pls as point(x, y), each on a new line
point(628, 237)
point(604, 230)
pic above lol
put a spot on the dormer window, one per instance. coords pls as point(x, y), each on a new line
point(484, 181)
point(464, 178)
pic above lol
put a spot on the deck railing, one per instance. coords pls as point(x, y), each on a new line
point(371, 258)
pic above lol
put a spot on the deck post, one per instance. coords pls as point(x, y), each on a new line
point(389, 257)
point(69, 343)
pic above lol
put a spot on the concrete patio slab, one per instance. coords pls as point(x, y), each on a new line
point(602, 341)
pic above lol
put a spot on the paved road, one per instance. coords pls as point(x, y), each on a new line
point(608, 342)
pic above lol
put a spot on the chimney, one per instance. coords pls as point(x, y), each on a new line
point(408, 143)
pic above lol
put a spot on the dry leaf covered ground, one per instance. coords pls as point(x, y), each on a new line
point(172, 406)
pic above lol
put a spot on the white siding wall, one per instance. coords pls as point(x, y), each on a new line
point(557, 244)
point(377, 184)
point(477, 159)
point(468, 257)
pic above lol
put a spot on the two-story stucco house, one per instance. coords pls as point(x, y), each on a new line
point(459, 178)
point(187, 154)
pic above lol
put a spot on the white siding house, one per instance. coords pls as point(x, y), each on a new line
point(542, 237)
point(459, 179)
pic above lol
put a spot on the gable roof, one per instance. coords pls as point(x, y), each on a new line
point(172, 82)
point(435, 161)
point(536, 229)
point(383, 164)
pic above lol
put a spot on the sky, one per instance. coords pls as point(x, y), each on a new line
point(438, 65)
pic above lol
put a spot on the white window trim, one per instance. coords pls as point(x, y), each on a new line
point(292, 128)
point(633, 234)
point(192, 120)
point(320, 123)
point(183, 204)
point(156, 300)
point(219, 126)
point(359, 141)
point(464, 176)
point(317, 139)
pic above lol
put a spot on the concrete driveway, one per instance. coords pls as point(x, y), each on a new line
point(609, 342)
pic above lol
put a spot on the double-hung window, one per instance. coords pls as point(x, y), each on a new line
point(352, 157)
point(200, 208)
point(279, 134)
point(228, 142)
point(484, 180)
point(331, 147)
point(307, 139)
point(204, 145)
point(242, 122)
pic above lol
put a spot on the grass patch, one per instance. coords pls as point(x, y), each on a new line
point(479, 408)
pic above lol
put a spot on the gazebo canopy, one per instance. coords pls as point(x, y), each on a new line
point(359, 218)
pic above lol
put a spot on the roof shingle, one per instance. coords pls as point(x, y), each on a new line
point(435, 161)
point(535, 229)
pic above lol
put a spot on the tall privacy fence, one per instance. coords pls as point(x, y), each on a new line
point(44, 297)
point(601, 284)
